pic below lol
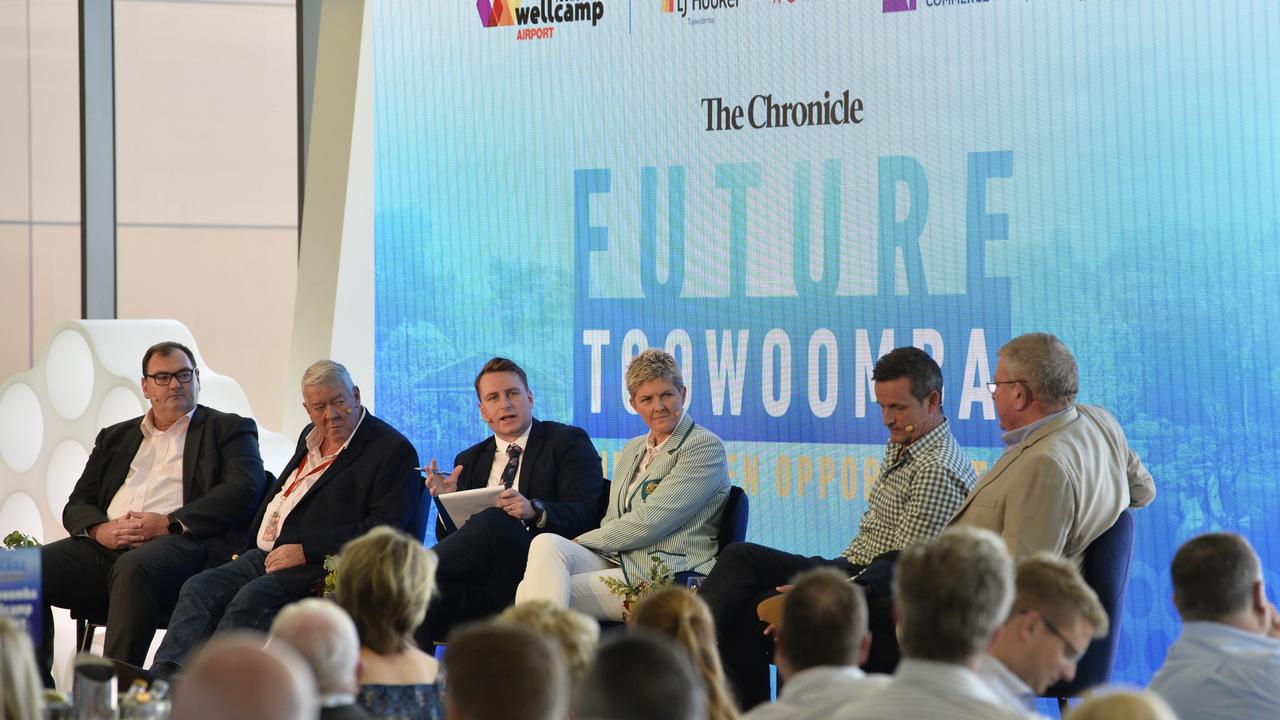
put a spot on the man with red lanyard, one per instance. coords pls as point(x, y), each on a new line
point(351, 472)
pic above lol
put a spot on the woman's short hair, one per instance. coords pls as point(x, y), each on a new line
point(575, 633)
point(385, 580)
point(653, 364)
point(1136, 704)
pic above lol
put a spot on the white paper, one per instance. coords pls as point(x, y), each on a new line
point(461, 505)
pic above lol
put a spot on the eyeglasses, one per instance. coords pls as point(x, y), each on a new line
point(991, 386)
point(1073, 654)
point(183, 376)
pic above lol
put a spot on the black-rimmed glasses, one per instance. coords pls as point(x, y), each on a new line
point(1073, 654)
point(164, 378)
point(991, 386)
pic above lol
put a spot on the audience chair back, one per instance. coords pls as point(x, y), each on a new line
point(1106, 569)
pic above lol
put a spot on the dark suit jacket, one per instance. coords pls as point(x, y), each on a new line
point(560, 467)
point(222, 479)
point(344, 712)
point(373, 482)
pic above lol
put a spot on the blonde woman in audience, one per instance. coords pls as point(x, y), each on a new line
point(576, 634)
point(19, 681)
point(385, 580)
point(677, 613)
point(1122, 705)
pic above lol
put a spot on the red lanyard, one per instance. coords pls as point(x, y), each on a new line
point(300, 477)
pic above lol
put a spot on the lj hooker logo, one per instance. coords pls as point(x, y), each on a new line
point(684, 7)
point(499, 13)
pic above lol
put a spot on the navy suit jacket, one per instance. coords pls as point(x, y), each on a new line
point(374, 481)
point(560, 467)
point(222, 479)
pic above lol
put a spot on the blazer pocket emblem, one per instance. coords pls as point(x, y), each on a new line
point(649, 487)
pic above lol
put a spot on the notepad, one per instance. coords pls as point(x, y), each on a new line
point(456, 508)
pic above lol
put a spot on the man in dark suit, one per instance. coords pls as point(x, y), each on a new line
point(161, 497)
point(351, 472)
point(553, 480)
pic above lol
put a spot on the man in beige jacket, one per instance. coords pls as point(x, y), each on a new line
point(1067, 472)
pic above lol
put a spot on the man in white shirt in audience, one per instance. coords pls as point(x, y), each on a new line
point(951, 598)
point(1226, 664)
point(820, 644)
point(1054, 618)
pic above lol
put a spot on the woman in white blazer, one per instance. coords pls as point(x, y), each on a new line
point(666, 500)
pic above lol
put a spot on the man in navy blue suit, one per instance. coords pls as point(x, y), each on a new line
point(351, 472)
point(553, 483)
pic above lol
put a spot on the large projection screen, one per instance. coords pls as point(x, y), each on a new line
point(781, 190)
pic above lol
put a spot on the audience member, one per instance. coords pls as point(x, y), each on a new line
point(677, 613)
point(1125, 705)
point(575, 633)
point(1067, 472)
point(19, 680)
point(641, 676)
point(385, 580)
point(325, 637)
point(821, 642)
point(1226, 663)
point(161, 497)
point(552, 475)
point(951, 597)
point(668, 493)
point(1055, 616)
point(498, 671)
point(233, 677)
point(923, 479)
point(351, 472)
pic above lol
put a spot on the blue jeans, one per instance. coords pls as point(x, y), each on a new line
point(239, 594)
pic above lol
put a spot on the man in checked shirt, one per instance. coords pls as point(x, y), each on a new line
point(923, 479)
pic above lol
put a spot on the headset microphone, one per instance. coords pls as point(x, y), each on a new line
point(910, 429)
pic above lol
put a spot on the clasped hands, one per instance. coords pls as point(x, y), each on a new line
point(129, 530)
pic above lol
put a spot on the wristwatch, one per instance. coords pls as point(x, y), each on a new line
point(538, 512)
point(175, 525)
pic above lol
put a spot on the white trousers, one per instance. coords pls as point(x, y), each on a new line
point(569, 575)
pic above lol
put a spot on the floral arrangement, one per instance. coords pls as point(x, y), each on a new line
point(18, 540)
point(331, 575)
point(659, 575)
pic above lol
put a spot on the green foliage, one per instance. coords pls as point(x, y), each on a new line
point(659, 575)
point(17, 541)
point(331, 574)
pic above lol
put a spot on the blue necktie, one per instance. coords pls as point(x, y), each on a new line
point(513, 462)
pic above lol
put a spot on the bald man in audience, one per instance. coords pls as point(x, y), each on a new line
point(821, 642)
point(951, 597)
point(325, 636)
point(235, 678)
point(1067, 471)
point(1226, 664)
point(499, 671)
point(1054, 618)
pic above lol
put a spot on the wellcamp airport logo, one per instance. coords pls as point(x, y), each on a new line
point(545, 14)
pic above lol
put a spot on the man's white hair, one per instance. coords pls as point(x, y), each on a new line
point(325, 636)
point(234, 677)
point(327, 373)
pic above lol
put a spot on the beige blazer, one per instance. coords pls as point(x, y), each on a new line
point(1061, 488)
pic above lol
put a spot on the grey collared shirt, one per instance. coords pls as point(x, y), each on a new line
point(1218, 671)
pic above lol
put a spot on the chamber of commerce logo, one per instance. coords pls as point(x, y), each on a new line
point(542, 12)
point(899, 5)
point(893, 6)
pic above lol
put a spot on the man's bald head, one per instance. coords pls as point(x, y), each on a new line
point(325, 636)
point(234, 677)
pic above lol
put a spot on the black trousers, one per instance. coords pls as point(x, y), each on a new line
point(137, 587)
point(480, 566)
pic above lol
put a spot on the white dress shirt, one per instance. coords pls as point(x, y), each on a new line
point(154, 481)
point(1016, 693)
point(500, 458)
point(926, 690)
point(311, 469)
point(1218, 671)
point(817, 692)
